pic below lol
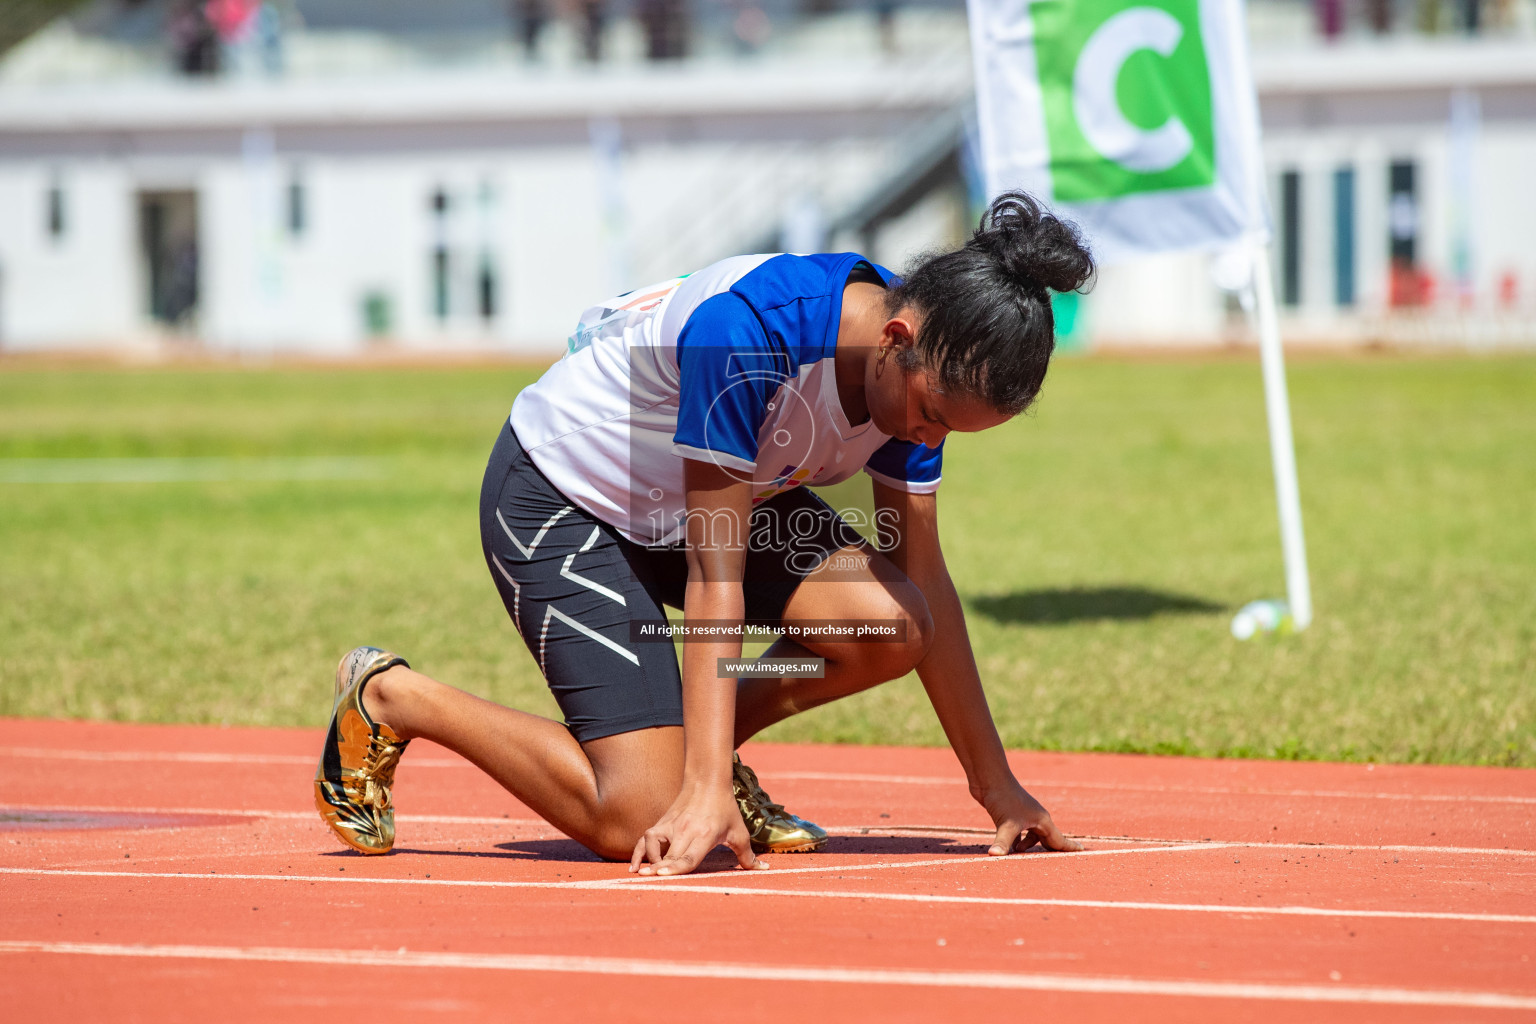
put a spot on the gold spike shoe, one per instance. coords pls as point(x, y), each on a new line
point(357, 765)
point(772, 828)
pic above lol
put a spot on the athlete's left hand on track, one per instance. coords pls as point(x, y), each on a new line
point(1022, 823)
point(699, 820)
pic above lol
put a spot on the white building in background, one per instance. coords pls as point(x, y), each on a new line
point(1402, 186)
point(371, 196)
point(456, 211)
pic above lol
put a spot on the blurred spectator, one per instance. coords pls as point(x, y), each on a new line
point(269, 37)
point(1379, 14)
point(1471, 16)
point(885, 24)
point(1430, 13)
point(1330, 18)
point(750, 28)
point(194, 43)
point(593, 15)
point(1502, 15)
point(1509, 290)
point(812, 8)
point(666, 28)
point(1408, 286)
point(231, 19)
point(530, 17)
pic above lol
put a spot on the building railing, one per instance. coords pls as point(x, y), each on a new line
point(270, 38)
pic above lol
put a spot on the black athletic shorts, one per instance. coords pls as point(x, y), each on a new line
point(574, 586)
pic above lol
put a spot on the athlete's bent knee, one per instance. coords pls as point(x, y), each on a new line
point(895, 656)
point(917, 622)
point(615, 840)
point(614, 844)
point(623, 818)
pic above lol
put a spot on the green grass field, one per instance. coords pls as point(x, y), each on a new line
point(1102, 544)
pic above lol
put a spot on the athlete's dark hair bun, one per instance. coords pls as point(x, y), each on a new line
point(987, 327)
point(1032, 245)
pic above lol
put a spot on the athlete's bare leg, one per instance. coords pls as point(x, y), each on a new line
point(855, 584)
point(603, 793)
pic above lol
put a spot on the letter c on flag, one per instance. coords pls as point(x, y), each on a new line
point(1103, 123)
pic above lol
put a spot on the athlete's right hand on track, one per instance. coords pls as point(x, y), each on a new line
point(700, 819)
point(1022, 823)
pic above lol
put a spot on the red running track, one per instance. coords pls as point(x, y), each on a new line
point(179, 873)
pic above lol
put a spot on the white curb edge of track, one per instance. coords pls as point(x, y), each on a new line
point(696, 886)
point(644, 968)
point(842, 830)
point(199, 757)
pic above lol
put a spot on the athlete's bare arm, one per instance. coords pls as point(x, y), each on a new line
point(704, 815)
point(953, 684)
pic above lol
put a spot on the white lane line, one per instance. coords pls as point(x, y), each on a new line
point(235, 812)
point(621, 882)
point(938, 780)
point(210, 757)
point(848, 830)
point(985, 858)
point(1024, 901)
point(200, 757)
point(236, 876)
point(855, 831)
point(539, 823)
point(693, 884)
point(647, 968)
point(450, 845)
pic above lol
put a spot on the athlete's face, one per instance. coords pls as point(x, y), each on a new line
point(908, 405)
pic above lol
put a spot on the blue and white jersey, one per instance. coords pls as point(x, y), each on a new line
point(730, 365)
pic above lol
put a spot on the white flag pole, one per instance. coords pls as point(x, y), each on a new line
point(1277, 403)
point(1282, 447)
point(1015, 126)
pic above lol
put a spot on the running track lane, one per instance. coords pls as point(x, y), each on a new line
point(1212, 903)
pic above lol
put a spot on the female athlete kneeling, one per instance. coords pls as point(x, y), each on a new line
point(661, 462)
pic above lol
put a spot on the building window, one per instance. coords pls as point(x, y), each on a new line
point(378, 314)
point(440, 282)
point(486, 288)
point(297, 214)
point(1344, 236)
point(1406, 286)
point(487, 279)
point(1290, 238)
point(168, 225)
point(55, 212)
point(441, 279)
point(1403, 212)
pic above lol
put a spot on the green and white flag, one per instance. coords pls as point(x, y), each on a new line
point(1136, 118)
